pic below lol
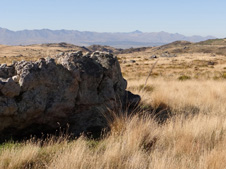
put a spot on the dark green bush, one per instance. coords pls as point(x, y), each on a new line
point(184, 77)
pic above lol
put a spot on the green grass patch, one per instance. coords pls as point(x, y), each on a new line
point(223, 75)
point(10, 145)
point(128, 65)
point(184, 77)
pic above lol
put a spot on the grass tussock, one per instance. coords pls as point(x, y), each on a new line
point(184, 77)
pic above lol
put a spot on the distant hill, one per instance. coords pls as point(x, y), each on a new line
point(212, 46)
point(85, 38)
point(213, 42)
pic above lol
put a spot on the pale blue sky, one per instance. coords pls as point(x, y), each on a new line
point(188, 17)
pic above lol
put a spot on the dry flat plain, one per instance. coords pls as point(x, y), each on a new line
point(188, 82)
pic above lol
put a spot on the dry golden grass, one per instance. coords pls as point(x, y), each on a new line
point(8, 54)
point(192, 142)
point(195, 65)
point(205, 96)
point(194, 137)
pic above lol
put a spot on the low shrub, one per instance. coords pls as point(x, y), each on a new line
point(184, 77)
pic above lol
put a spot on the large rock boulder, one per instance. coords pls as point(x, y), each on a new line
point(73, 89)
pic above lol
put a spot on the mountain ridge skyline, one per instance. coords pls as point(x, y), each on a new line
point(134, 31)
point(135, 38)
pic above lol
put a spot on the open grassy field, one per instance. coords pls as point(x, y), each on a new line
point(189, 86)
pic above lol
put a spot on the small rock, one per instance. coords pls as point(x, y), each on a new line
point(132, 61)
point(211, 63)
point(153, 57)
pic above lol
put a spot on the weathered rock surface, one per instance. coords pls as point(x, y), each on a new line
point(72, 89)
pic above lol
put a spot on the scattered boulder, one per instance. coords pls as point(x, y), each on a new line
point(73, 89)
point(19, 55)
point(132, 61)
point(153, 57)
point(211, 63)
point(167, 54)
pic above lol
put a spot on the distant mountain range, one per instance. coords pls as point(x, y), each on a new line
point(85, 38)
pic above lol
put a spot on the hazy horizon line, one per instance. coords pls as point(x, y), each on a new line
point(138, 31)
